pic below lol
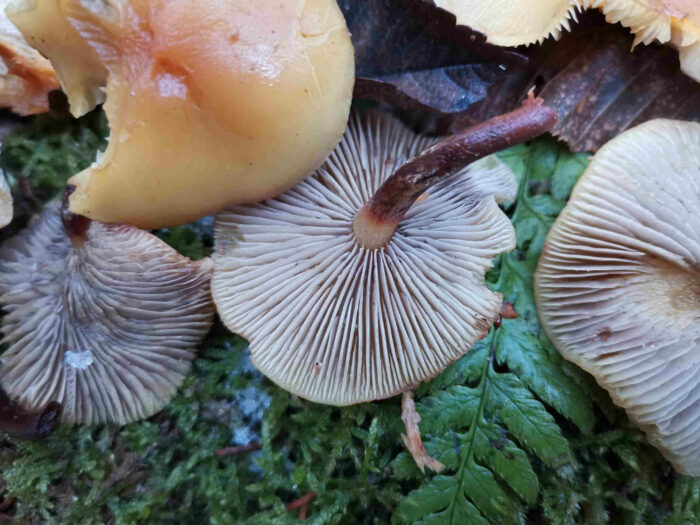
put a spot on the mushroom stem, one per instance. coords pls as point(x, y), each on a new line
point(29, 426)
point(76, 226)
point(376, 222)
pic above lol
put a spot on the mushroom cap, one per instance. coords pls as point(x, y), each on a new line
point(523, 22)
point(667, 21)
point(513, 22)
point(80, 71)
point(108, 329)
point(25, 76)
point(618, 283)
point(209, 102)
point(337, 323)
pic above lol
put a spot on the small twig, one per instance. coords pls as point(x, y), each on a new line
point(412, 438)
point(7, 503)
point(302, 503)
point(229, 451)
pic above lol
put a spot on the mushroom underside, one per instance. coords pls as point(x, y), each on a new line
point(337, 323)
point(108, 329)
point(618, 284)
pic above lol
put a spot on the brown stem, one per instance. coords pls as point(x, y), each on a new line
point(30, 426)
point(376, 222)
point(228, 451)
point(76, 226)
point(301, 502)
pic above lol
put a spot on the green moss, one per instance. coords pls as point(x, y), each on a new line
point(50, 149)
point(540, 440)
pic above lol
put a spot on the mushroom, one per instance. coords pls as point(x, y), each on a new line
point(676, 22)
point(618, 283)
point(29, 426)
point(513, 22)
point(523, 22)
point(210, 103)
point(348, 291)
point(26, 78)
point(104, 319)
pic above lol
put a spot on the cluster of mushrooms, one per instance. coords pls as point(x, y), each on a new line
point(523, 22)
point(350, 251)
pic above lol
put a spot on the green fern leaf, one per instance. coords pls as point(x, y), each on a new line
point(480, 421)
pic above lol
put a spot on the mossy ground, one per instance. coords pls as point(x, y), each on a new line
point(592, 467)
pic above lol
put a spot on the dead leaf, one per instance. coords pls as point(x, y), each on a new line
point(598, 87)
point(412, 55)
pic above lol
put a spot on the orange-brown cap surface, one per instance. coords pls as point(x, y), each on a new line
point(210, 102)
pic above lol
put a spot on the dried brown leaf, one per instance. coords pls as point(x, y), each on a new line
point(411, 54)
point(598, 87)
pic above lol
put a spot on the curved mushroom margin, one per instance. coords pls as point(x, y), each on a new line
point(618, 283)
point(108, 328)
point(337, 323)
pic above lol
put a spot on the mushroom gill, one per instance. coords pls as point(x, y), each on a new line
point(104, 320)
point(368, 277)
point(210, 102)
point(26, 78)
point(618, 283)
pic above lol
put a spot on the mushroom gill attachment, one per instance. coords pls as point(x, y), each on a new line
point(618, 283)
point(338, 315)
point(104, 319)
point(210, 102)
point(26, 78)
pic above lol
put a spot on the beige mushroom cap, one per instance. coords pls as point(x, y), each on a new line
point(26, 78)
point(107, 328)
point(524, 22)
point(513, 22)
point(210, 102)
point(618, 283)
point(337, 323)
point(676, 22)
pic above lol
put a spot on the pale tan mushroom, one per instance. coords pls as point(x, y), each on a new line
point(676, 22)
point(350, 287)
point(513, 22)
point(26, 78)
point(618, 284)
point(104, 320)
point(209, 102)
point(524, 22)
